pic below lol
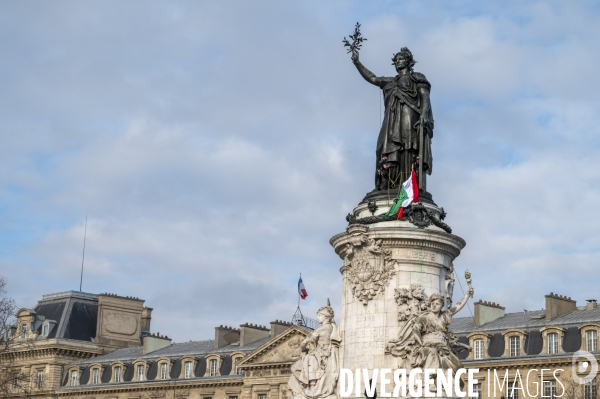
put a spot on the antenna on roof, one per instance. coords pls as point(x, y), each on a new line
point(83, 255)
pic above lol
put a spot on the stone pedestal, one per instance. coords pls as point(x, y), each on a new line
point(380, 260)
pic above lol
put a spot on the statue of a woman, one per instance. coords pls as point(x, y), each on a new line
point(315, 374)
point(407, 115)
point(424, 341)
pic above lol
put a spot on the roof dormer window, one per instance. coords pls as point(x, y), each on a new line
point(23, 331)
point(591, 339)
point(74, 374)
point(45, 329)
point(188, 369)
point(213, 367)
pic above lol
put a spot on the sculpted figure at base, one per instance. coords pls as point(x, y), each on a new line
point(315, 374)
point(424, 340)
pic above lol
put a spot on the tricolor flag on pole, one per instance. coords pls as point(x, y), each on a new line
point(301, 290)
point(409, 193)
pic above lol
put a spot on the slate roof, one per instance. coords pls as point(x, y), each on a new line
point(534, 319)
point(196, 349)
point(75, 314)
point(176, 350)
point(531, 322)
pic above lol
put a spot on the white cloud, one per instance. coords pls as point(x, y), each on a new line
point(217, 148)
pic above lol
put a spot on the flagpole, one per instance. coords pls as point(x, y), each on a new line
point(299, 293)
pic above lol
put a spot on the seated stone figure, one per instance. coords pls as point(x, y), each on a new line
point(315, 374)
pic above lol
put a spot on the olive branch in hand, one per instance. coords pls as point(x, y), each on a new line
point(357, 40)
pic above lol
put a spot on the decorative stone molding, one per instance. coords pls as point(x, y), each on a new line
point(474, 336)
point(369, 266)
point(70, 370)
point(135, 365)
point(584, 328)
point(208, 361)
point(514, 332)
point(114, 366)
point(399, 237)
point(159, 362)
point(273, 353)
point(547, 330)
point(236, 358)
point(100, 368)
point(422, 324)
point(184, 360)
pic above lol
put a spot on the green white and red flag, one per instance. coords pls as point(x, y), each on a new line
point(408, 193)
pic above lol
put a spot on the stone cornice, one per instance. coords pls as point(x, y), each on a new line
point(400, 237)
point(519, 362)
point(268, 365)
point(47, 352)
point(147, 386)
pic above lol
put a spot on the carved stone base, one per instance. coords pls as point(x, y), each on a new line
point(378, 259)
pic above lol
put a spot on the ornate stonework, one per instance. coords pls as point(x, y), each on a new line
point(369, 266)
point(284, 351)
point(423, 339)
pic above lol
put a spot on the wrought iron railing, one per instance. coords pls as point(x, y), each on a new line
point(300, 320)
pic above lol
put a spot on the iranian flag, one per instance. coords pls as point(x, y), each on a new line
point(409, 193)
point(301, 290)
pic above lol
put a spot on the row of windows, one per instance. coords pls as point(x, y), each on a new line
point(23, 331)
point(591, 338)
point(141, 371)
point(39, 380)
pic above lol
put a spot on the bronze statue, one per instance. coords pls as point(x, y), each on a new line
point(405, 136)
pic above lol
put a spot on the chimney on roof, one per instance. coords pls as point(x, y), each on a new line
point(557, 305)
point(155, 342)
point(146, 318)
point(487, 311)
point(278, 327)
point(119, 322)
point(591, 304)
point(252, 332)
point(226, 335)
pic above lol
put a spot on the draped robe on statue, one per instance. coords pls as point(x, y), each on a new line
point(315, 375)
point(435, 353)
point(399, 135)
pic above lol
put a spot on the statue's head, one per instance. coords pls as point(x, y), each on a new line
point(436, 302)
point(403, 59)
point(325, 314)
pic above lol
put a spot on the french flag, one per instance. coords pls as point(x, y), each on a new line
point(301, 290)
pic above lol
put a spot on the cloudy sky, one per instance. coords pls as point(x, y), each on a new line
point(216, 147)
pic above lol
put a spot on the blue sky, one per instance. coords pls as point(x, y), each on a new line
point(217, 146)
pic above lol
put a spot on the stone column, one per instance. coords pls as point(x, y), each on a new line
point(380, 260)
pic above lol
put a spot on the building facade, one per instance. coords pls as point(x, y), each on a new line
point(100, 347)
point(64, 328)
point(536, 351)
